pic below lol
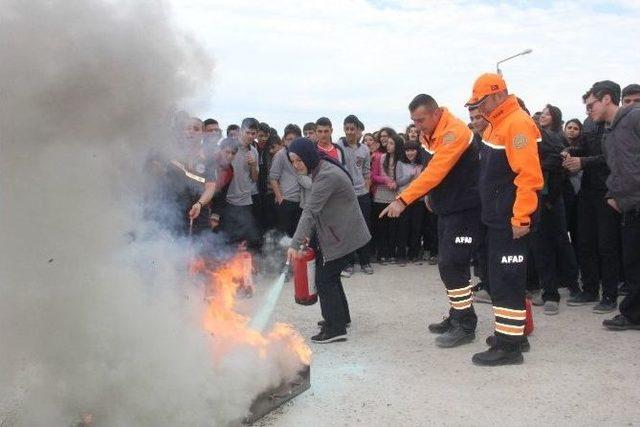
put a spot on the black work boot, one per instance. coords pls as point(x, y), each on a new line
point(455, 336)
point(441, 327)
point(620, 323)
point(524, 345)
point(500, 354)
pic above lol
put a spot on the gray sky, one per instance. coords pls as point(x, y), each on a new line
point(287, 61)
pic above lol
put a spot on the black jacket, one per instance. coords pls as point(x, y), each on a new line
point(622, 151)
point(458, 191)
point(589, 149)
point(264, 162)
point(549, 149)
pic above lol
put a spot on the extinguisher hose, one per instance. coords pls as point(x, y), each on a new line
point(285, 269)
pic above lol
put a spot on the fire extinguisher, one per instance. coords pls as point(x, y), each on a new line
point(304, 276)
point(528, 321)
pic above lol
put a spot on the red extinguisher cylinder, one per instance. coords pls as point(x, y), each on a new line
point(304, 276)
point(528, 321)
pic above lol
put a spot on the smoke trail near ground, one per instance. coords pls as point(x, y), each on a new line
point(89, 320)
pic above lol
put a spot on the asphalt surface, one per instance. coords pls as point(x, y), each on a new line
point(390, 372)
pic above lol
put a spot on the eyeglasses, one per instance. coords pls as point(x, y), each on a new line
point(591, 104)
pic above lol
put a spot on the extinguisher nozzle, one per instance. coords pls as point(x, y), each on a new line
point(285, 269)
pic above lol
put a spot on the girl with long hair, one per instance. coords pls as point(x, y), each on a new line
point(572, 137)
point(410, 221)
point(553, 256)
point(385, 193)
point(412, 133)
point(551, 119)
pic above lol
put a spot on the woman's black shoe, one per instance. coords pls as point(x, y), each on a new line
point(325, 337)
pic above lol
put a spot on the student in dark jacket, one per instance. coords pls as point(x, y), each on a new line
point(598, 223)
point(622, 152)
point(552, 250)
point(261, 190)
point(331, 212)
point(572, 136)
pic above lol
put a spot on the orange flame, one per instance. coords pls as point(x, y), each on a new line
point(232, 328)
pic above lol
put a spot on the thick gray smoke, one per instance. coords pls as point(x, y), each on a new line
point(91, 322)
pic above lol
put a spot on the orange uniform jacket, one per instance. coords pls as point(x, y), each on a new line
point(451, 175)
point(510, 173)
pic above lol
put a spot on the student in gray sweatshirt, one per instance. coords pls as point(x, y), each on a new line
point(284, 182)
point(332, 213)
point(358, 163)
point(240, 224)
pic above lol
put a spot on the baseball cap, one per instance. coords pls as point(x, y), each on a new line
point(485, 85)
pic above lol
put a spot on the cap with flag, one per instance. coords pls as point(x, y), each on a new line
point(485, 85)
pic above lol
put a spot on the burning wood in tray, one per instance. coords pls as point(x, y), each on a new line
point(278, 396)
point(225, 282)
point(281, 347)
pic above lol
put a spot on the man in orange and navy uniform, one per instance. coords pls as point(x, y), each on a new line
point(450, 180)
point(510, 178)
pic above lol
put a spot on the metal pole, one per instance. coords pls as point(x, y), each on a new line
point(524, 52)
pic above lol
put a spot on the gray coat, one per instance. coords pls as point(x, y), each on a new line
point(621, 148)
point(331, 210)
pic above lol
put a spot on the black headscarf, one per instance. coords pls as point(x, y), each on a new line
point(308, 152)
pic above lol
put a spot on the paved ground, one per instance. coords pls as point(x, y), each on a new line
point(390, 373)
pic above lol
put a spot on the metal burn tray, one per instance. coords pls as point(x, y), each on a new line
point(261, 406)
point(277, 396)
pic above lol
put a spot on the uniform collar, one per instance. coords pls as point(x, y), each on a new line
point(503, 110)
point(441, 127)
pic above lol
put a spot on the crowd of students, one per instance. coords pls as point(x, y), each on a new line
point(265, 185)
point(251, 187)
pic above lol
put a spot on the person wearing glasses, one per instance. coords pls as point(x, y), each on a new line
point(621, 148)
point(598, 223)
